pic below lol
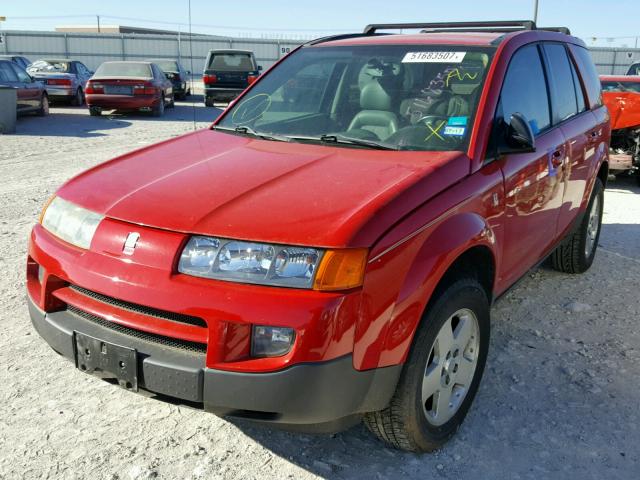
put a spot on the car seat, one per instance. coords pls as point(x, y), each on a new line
point(376, 116)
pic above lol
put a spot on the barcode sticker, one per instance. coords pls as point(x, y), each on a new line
point(433, 57)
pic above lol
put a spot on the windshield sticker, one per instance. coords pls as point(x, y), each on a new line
point(454, 131)
point(457, 121)
point(433, 57)
point(251, 109)
point(435, 131)
point(456, 74)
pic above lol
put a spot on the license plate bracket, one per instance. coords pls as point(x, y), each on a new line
point(118, 90)
point(107, 360)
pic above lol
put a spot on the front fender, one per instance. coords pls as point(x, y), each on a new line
point(399, 284)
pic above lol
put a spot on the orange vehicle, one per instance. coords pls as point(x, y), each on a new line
point(621, 95)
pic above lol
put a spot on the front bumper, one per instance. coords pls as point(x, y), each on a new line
point(321, 396)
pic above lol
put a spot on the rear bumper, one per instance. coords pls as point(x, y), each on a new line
point(320, 396)
point(222, 92)
point(60, 92)
point(122, 102)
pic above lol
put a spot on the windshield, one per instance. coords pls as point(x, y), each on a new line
point(405, 97)
point(232, 62)
point(124, 69)
point(613, 86)
point(168, 66)
point(49, 66)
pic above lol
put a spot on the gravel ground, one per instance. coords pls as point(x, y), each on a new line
point(560, 397)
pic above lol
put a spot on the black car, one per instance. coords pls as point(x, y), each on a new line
point(30, 94)
point(227, 73)
point(179, 77)
point(24, 62)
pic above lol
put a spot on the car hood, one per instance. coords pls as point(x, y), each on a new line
point(215, 183)
point(624, 109)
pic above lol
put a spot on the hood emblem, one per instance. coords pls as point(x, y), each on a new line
point(130, 243)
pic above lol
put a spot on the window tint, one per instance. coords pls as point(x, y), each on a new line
point(582, 101)
point(564, 103)
point(233, 62)
point(634, 69)
point(525, 91)
point(589, 75)
point(6, 73)
point(22, 75)
point(124, 69)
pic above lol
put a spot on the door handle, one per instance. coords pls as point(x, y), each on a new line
point(593, 135)
point(557, 158)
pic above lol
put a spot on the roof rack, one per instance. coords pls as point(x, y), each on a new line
point(468, 26)
point(564, 30)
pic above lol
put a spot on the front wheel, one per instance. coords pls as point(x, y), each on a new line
point(172, 101)
point(442, 373)
point(576, 252)
point(95, 111)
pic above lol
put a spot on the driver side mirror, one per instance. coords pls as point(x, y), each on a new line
point(259, 67)
point(519, 137)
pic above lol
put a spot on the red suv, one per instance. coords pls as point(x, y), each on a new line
point(329, 249)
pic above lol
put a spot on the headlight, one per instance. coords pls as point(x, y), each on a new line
point(71, 223)
point(267, 264)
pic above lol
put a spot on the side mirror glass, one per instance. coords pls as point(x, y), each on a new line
point(519, 137)
point(259, 67)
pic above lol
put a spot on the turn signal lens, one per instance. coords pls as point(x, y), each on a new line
point(341, 269)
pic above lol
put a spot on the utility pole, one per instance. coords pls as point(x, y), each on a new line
point(2, 19)
point(98, 17)
point(535, 11)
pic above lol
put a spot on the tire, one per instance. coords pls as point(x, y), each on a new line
point(44, 106)
point(95, 111)
point(208, 101)
point(158, 110)
point(576, 252)
point(172, 102)
point(414, 423)
point(78, 98)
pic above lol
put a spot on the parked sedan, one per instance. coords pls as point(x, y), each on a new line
point(24, 62)
point(32, 96)
point(132, 86)
point(178, 76)
point(65, 79)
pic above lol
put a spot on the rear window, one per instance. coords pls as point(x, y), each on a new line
point(613, 86)
point(50, 66)
point(124, 69)
point(234, 62)
point(168, 66)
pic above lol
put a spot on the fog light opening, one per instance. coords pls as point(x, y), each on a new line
point(269, 341)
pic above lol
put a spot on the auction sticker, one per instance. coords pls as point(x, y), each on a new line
point(433, 57)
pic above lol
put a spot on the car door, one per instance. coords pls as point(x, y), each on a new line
point(10, 78)
point(32, 88)
point(533, 190)
point(577, 124)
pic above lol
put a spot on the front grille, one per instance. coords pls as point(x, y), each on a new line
point(195, 347)
point(133, 307)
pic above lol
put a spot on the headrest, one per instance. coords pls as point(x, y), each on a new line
point(373, 97)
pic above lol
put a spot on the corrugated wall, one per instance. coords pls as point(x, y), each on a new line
point(95, 48)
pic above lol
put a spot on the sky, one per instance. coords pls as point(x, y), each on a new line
point(307, 19)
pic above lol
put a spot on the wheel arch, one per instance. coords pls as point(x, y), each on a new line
point(461, 245)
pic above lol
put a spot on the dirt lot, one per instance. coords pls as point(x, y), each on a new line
point(560, 397)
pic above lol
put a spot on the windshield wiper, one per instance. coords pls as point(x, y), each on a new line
point(244, 130)
point(341, 139)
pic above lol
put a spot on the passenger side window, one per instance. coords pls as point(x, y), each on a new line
point(582, 101)
point(589, 75)
point(564, 103)
point(525, 91)
point(22, 75)
point(7, 73)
